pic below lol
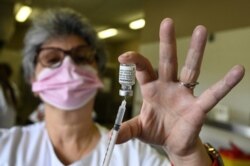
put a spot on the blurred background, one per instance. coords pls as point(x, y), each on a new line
point(228, 25)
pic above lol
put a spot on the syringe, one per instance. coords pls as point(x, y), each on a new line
point(126, 79)
point(115, 131)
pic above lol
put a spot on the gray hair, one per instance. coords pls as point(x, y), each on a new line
point(55, 23)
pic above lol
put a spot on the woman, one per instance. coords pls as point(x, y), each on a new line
point(8, 97)
point(62, 60)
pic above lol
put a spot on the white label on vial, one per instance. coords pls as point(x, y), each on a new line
point(127, 74)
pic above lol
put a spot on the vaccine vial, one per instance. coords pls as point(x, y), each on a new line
point(126, 79)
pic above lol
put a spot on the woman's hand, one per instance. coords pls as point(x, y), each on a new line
point(171, 115)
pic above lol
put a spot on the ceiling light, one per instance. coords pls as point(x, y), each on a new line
point(107, 33)
point(137, 24)
point(23, 13)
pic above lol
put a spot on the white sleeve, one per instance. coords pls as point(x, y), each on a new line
point(2, 103)
point(3, 110)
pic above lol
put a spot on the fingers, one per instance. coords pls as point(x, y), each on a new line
point(191, 69)
point(168, 58)
point(144, 70)
point(213, 95)
point(129, 129)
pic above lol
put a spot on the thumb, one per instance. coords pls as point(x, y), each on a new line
point(129, 129)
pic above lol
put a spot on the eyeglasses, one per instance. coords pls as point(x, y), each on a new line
point(53, 57)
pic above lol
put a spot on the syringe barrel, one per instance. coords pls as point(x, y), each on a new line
point(120, 113)
point(114, 134)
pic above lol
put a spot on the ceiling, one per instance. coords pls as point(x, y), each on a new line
point(101, 13)
point(216, 15)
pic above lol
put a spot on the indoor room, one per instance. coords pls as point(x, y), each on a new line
point(133, 25)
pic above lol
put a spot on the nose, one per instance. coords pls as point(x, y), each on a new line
point(67, 60)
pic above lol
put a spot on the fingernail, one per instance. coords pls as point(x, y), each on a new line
point(200, 29)
point(236, 75)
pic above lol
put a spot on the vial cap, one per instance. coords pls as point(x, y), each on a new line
point(125, 92)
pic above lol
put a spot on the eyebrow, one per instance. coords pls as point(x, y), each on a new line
point(82, 45)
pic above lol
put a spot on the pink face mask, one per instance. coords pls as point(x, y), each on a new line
point(67, 87)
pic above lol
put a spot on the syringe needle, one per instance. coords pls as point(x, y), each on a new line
point(115, 132)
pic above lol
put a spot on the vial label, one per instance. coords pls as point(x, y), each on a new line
point(127, 74)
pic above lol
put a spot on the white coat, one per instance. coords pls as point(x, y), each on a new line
point(31, 146)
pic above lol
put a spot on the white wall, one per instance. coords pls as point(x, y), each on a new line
point(229, 48)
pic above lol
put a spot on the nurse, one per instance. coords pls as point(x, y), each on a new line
point(63, 60)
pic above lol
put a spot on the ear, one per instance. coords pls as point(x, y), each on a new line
point(36, 94)
point(32, 79)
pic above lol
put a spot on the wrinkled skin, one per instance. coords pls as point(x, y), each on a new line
point(171, 116)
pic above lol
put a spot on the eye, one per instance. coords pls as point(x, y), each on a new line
point(50, 57)
point(53, 61)
point(83, 54)
point(83, 59)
